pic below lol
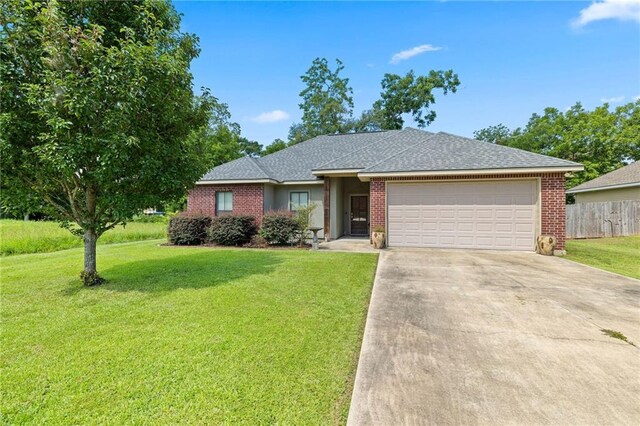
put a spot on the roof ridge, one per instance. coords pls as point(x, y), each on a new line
point(262, 169)
point(388, 135)
point(413, 145)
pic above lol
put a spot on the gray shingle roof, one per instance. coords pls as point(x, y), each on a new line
point(446, 152)
point(381, 152)
point(387, 146)
point(240, 169)
point(627, 175)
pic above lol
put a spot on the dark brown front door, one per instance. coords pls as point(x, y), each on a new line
point(359, 215)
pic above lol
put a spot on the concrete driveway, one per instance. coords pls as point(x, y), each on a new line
point(484, 337)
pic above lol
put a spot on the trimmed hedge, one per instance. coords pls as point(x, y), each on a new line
point(232, 230)
point(279, 227)
point(188, 230)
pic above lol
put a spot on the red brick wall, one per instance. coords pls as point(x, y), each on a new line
point(377, 203)
point(552, 207)
point(552, 203)
point(247, 199)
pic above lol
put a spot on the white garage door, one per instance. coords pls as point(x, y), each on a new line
point(477, 214)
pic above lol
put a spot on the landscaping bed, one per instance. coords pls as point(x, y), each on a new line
point(182, 336)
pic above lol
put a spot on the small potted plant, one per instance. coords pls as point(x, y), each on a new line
point(378, 237)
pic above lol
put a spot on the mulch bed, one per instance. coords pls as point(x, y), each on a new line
point(248, 246)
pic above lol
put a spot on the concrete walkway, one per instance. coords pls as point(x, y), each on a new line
point(482, 337)
point(349, 244)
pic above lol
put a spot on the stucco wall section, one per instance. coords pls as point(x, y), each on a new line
point(316, 194)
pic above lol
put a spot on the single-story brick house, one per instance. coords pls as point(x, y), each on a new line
point(619, 185)
point(426, 189)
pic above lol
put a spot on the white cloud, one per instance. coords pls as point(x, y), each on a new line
point(624, 10)
point(414, 51)
point(636, 98)
point(613, 100)
point(271, 116)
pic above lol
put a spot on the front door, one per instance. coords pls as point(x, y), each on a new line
point(359, 215)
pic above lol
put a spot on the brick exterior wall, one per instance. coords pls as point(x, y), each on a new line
point(247, 199)
point(377, 201)
point(552, 208)
point(552, 202)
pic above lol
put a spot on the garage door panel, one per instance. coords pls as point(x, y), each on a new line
point(475, 214)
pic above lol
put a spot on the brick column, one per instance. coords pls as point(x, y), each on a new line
point(377, 203)
point(552, 206)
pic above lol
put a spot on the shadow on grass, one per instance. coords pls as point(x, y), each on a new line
point(193, 270)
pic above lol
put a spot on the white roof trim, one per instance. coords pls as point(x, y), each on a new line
point(603, 188)
point(302, 182)
point(234, 181)
point(474, 172)
point(351, 172)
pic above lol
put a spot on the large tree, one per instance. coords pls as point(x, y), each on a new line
point(410, 94)
point(99, 119)
point(327, 102)
point(602, 139)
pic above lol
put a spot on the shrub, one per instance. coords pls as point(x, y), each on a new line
point(188, 230)
point(303, 216)
point(232, 230)
point(257, 242)
point(279, 227)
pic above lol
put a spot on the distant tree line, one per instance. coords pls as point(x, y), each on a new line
point(602, 139)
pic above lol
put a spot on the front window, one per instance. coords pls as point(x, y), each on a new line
point(298, 200)
point(224, 202)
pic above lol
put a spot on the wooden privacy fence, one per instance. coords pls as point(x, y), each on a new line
point(603, 219)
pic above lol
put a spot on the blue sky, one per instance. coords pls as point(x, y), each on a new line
point(513, 58)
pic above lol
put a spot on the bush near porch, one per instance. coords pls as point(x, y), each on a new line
point(277, 228)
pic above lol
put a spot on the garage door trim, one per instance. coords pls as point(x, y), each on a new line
point(538, 189)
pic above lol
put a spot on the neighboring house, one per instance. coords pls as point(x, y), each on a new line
point(426, 189)
point(619, 185)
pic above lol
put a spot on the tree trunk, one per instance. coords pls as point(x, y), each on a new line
point(26, 217)
point(90, 275)
point(90, 251)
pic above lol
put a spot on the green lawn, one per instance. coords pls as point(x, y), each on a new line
point(182, 335)
point(20, 237)
point(620, 255)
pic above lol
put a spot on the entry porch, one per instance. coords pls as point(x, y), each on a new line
point(346, 207)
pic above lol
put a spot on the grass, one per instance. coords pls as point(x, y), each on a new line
point(20, 237)
point(182, 335)
point(620, 255)
point(617, 335)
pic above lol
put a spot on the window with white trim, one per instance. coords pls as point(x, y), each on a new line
point(298, 200)
point(224, 202)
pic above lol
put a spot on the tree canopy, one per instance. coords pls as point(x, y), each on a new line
point(602, 139)
point(99, 118)
point(327, 102)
